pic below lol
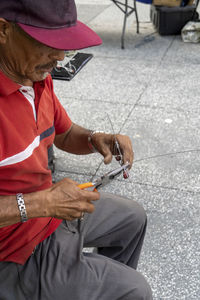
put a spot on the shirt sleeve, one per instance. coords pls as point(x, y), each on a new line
point(62, 121)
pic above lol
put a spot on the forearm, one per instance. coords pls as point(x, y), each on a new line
point(63, 200)
point(75, 141)
point(9, 211)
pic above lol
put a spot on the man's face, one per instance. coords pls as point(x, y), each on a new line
point(25, 60)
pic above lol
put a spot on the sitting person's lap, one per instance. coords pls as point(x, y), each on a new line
point(58, 269)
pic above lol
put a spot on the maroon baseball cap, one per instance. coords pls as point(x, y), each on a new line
point(51, 22)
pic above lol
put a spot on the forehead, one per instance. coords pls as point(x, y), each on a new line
point(23, 34)
point(18, 32)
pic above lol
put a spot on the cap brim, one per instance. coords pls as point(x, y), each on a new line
point(75, 37)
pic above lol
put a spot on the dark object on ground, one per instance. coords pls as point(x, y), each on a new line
point(170, 20)
point(51, 159)
point(68, 72)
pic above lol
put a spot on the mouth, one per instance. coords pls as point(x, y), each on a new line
point(47, 68)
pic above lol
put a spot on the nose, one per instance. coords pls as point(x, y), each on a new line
point(57, 54)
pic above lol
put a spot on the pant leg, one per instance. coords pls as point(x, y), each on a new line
point(117, 228)
point(10, 287)
point(65, 273)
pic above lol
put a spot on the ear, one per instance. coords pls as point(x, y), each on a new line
point(5, 27)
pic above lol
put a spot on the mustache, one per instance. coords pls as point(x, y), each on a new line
point(48, 66)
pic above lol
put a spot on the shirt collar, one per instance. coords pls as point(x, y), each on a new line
point(7, 86)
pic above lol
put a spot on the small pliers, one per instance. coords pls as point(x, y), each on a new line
point(105, 179)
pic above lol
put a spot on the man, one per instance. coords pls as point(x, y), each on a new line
point(44, 226)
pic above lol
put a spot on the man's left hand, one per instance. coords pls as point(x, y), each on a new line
point(105, 144)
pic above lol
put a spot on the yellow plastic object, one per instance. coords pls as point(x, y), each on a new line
point(85, 185)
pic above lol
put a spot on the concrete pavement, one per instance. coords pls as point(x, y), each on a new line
point(151, 92)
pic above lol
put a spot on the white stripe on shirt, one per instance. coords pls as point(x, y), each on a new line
point(21, 155)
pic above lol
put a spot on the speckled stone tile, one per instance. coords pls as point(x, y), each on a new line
point(107, 79)
point(59, 175)
point(98, 115)
point(160, 131)
point(183, 53)
point(174, 86)
point(87, 12)
point(170, 258)
point(79, 164)
point(145, 46)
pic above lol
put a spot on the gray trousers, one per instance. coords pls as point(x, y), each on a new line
point(59, 270)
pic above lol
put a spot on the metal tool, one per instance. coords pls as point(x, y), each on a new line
point(105, 179)
point(117, 151)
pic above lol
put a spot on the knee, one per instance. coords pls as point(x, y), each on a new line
point(142, 290)
point(138, 216)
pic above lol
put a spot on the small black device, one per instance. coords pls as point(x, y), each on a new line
point(74, 65)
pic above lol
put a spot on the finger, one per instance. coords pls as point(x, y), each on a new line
point(77, 209)
point(71, 218)
point(108, 158)
point(89, 208)
point(128, 158)
point(127, 151)
point(90, 195)
point(107, 154)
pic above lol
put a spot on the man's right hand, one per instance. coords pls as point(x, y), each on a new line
point(65, 200)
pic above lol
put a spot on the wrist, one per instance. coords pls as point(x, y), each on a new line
point(36, 204)
point(90, 143)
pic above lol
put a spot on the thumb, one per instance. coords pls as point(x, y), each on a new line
point(107, 156)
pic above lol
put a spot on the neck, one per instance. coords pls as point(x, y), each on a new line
point(14, 77)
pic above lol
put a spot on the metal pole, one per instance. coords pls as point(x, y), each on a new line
point(136, 15)
point(124, 25)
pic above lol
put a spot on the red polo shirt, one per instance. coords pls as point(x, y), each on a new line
point(24, 159)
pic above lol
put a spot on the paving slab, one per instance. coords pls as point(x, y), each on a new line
point(147, 44)
point(80, 178)
point(174, 86)
point(87, 12)
point(80, 164)
point(156, 131)
point(91, 114)
point(183, 53)
point(107, 79)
